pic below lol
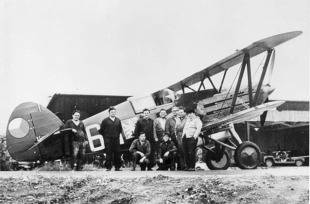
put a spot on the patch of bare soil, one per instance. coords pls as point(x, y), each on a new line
point(159, 189)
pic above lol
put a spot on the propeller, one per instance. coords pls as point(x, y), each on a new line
point(168, 96)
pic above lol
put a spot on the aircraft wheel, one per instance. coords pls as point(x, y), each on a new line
point(268, 162)
point(217, 162)
point(299, 163)
point(247, 155)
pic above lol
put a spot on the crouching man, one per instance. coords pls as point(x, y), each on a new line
point(141, 150)
point(167, 154)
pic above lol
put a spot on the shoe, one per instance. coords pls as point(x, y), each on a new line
point(162, 169)
point(149, 169)
point(185, 169)
point(108, 169)
point(172, 169)
point(133, 169)
point(118, 169)
point(142, 169)
point(191, 169)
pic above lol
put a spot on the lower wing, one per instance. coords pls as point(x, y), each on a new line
point(243, 115)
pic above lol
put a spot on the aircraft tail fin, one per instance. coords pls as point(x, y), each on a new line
point(27, 124)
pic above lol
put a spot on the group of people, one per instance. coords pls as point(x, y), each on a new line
point(169, 143)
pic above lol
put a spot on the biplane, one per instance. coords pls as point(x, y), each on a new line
point(33, 132)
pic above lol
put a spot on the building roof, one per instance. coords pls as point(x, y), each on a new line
point(294, 106)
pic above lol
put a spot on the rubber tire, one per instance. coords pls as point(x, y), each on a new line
point(211, 166)
point(269, 162)
point(255, 160)
point(299, 162)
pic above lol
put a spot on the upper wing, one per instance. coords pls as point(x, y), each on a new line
point(243, 115)
point(236, 58)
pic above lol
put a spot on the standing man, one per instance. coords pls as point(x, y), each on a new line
point(160, 125)
point(181, 120)
point(170, 128)
point(110, 129)
point(190, 134)
point(141, 151)
point(146, 125)
point(78, 140)
point(159, 128)
point(170, 124)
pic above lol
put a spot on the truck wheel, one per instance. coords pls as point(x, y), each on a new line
point(247, 155)
point(218, 162)
point(268, 162)
point(299, 163)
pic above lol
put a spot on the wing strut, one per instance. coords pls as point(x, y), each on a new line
point(202, 84)
point(223, 80)
point(262, 76)
point(212, 84)
point(233, 103)
point(249, 80)
point(189, 87)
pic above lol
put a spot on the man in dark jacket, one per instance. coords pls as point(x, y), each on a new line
point(170, 129)
point(78, 140)
point(170, 125)
point(141, 150)
point(167, 154)
point(145, 125)
point(110, 129)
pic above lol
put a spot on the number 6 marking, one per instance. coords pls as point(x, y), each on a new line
point(91, 138)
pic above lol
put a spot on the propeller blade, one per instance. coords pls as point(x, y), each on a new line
point(168, 96)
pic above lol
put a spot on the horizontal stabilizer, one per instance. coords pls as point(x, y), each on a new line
point(45, 137)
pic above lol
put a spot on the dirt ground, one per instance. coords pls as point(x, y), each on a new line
point(158, 189)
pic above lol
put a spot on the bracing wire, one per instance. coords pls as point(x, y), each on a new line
point(230, 88)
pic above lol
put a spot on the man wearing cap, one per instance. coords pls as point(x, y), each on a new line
point(110, 129)
point(141, 150)
point(167, 154)
point(146, 125)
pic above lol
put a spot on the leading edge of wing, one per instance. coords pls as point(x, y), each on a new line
point(45, 137)
point(254, 49)
point(243, 115)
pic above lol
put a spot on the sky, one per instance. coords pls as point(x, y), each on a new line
point(137, 47)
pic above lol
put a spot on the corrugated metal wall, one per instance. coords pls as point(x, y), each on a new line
point(295, 139)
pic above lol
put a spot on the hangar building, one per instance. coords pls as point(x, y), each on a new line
point(286, 128)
